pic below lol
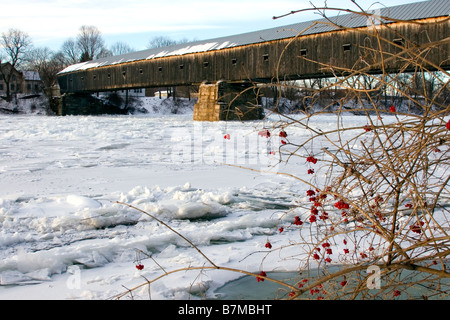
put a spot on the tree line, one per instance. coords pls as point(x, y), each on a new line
point(16, 48)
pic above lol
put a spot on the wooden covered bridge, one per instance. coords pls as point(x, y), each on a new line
point(389, 39)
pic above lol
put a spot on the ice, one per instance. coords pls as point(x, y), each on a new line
point(61, 179)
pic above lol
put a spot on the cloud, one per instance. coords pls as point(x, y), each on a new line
point(57, 18)
point(48, 20)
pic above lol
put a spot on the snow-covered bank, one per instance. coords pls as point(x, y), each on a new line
point(39, 105)
point(22, 104)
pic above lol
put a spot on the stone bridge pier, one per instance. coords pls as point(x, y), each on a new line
point(224, 101)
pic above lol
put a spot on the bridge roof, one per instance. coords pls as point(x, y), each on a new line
point(412, 11)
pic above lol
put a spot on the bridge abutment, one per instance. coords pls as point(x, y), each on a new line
point(224, 101)
point(85, 104)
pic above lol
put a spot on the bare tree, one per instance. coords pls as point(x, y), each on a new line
point(47, 63)
point(90, 43)
point(163, 41)
point(105, 52)
point(71, 52)
point(119, 48)
point(15, 44)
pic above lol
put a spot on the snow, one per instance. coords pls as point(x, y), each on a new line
point(177, 50)
point(64, 236)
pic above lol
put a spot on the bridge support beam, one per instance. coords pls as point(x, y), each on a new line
point(223, 101)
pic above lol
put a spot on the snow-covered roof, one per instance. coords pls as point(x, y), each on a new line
point(31, 75)
point(412, 11)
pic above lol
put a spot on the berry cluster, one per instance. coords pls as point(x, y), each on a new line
point(262, 274)
point(139, 266)
point(311, 159)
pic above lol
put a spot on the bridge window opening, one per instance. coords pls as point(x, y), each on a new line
point(233, 61)
point(205, 64)
point(399, 42)
point(95, 77)
point(124, 73)
point(141, 71)
point(109, 75)
point(266, 57)
point(181, 66)
point(82, 78)
point(303, 52)
point(160, 69)
point(347, 47)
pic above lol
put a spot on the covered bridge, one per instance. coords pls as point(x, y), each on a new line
point(318, 48)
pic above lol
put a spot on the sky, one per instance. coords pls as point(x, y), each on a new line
point(50, 22)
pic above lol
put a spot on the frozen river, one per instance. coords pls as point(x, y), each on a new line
point(63, 236)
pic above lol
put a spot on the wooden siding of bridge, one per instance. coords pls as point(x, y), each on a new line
point(295, 58)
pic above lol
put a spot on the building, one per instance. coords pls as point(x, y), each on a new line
point(16, 81)
point(32, 83)
point(26, 82)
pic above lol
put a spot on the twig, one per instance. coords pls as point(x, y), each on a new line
point(171, 229)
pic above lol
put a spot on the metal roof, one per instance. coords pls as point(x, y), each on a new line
point(412, 11)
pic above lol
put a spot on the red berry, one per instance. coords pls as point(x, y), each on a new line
point(268, 245)
point(343, 283)
point(316, 256)
point(324, 216)
point(139, 266)
point(341, 205)
point(297, 221)
point(283, 134)
point(448, 125)
point(227, 136)
point(416, 227)
point(392, 109)
point(264, 133)
point(311, 159)
point(263, 274)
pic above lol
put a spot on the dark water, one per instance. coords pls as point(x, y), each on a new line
point(247, 288)
point(411, 286)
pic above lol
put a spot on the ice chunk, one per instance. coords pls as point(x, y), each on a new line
point(82, 202)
